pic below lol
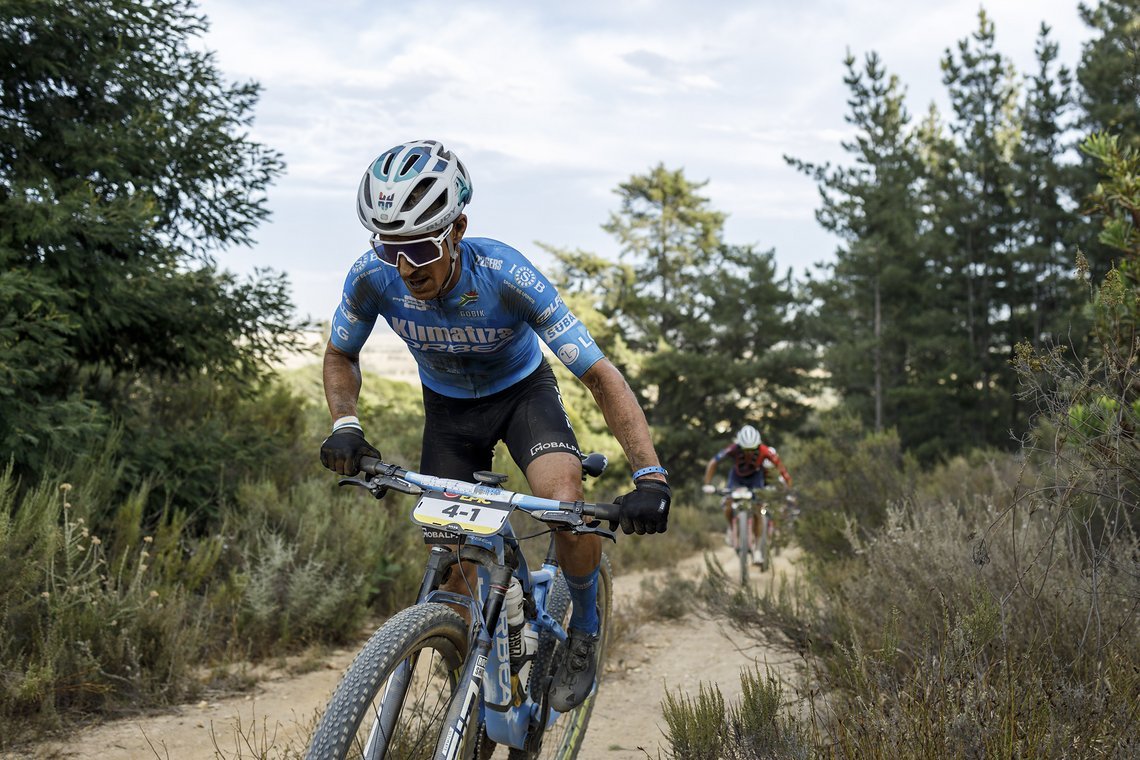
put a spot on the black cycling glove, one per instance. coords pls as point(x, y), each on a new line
point(646, 508)
point(341, 451)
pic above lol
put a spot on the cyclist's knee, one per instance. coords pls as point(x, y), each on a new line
point(578, 555)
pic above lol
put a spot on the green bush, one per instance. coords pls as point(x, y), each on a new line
point(705, 727)
point(89, 624)
point(848, 476)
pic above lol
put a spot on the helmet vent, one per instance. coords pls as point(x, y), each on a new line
point(433, 209)
point(388, 159)
point(417, 194)
point(409, 164)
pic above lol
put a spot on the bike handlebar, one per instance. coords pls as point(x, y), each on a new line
point(411, 482)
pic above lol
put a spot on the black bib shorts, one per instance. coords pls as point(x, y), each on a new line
point(460, 434)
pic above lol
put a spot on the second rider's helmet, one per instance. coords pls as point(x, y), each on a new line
point(748, 437)
point(415, 187)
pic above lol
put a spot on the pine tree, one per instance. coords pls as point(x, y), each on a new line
point(867, 298)
point(1108, 75)
point(710, 325)
point(124, 167)
point(983, 93)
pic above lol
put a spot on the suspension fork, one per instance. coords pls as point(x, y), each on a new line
point(463, 705)
point(396, 690)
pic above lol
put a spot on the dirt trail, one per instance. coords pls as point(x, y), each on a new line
point(275, 720)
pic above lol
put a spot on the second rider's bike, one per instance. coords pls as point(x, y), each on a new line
point(749, 549)
point(430, 686)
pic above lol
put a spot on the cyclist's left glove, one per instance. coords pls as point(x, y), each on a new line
point(341, 451)
point(646, 508)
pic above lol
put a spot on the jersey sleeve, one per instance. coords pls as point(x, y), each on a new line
point(355, 317)
point(724, 453)
point(548, 315)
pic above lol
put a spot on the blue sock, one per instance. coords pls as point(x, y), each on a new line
point(584, 598)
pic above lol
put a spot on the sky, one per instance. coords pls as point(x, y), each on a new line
point(552, 105)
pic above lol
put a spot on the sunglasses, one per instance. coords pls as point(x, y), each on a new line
point(419, 252)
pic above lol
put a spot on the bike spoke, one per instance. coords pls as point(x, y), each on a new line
point(420, 714)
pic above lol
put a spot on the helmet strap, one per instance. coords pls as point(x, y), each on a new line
point(450, 271)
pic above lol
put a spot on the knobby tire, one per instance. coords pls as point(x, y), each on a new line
point(435, 637)
point(743, 545)
point(764, 560)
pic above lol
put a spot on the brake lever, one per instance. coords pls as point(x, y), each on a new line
point(594, 528)
point(377, 490)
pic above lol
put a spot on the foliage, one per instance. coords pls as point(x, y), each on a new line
point(680, 297)
point(705, 727)
point(864, 316)
point(847, 480)
point(956, 239)
point(289, 561)
point(124, 164)
point(1109, 70)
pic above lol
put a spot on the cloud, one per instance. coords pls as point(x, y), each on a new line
point(552, 105)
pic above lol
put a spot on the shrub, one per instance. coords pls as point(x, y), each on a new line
point(848, 475)
point(705, 727)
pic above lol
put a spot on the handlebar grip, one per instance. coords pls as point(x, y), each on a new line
point(611, 512)
point(369, 465)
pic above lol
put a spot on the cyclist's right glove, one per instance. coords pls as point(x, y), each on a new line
point(646, 508)
point(341, 451)
point(708, 488)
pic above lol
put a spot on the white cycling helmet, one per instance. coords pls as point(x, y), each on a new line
point(748, 437)
point(415, 187)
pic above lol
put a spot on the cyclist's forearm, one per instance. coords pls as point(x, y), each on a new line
point(710, 471)
point(623, 414)
point(342, 382)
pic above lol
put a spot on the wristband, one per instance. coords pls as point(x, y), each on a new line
point(348, 421)
point(649, 471)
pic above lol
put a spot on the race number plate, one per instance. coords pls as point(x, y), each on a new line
point(461, 514)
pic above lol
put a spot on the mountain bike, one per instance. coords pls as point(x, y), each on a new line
point(744, 500)
point(428, 685)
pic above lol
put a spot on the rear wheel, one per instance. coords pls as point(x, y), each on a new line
point(393, 698)
point(563, 739)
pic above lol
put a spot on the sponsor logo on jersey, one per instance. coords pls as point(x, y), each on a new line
point(468, 298)
point(363, 261)
point(525, 277)
point(548, 312)
point(411, 303)
point(348, 314)
point(488, 262)
point(469, 313)
point(568, 353)
point(450, 339)
point(522, 293)
point(545, 446)
point(559, 327)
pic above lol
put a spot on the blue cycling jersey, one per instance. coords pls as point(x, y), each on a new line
point(480, 337)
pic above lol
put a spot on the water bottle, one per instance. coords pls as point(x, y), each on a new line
point(513, 606)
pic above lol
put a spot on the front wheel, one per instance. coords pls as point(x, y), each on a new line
point(563, 739)
point(393, 698)
point(743, 544)
point(763, 544)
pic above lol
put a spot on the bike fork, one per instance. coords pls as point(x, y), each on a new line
point(392, 703)
point(465, 703)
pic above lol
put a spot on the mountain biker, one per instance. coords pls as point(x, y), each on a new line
point(471, 311)
point(750, 459)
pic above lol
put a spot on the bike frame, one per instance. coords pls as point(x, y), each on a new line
point(489, 652)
